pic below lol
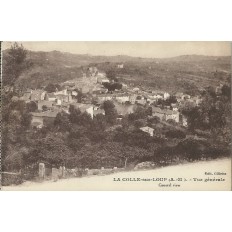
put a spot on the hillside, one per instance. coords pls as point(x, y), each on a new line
point(183, 73)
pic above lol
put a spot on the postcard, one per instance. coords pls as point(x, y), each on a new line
point(141, 116)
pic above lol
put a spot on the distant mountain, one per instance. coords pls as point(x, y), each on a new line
point(183, 73)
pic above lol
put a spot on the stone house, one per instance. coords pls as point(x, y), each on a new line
point(120, 65)
point(62, 92)
point(38, 95)
point(105, 97)
point(50, 97)
point(48, 104)
point(40, 119)
point(122, 98)
point(165, 114)
point(148, 130)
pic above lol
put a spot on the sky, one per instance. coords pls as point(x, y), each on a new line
point(136, 49)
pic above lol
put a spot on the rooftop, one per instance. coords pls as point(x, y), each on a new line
point(49, 114)
point(163, 111)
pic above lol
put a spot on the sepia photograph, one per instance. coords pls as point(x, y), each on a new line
point(115, 116)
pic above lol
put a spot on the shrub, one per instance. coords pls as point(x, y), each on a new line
point(175, 134)
point(11, 179)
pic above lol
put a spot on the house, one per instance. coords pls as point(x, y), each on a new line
point(40, 119)
point(159, 95)
point(141, 100)
point(74, 93)
point(50, 97)
point(174, 115)
point(148, 130)
point(122, 98)
point(62, 92)
point(135, 90)
point(179, 96)
point(156, 111)
point(166, 95)
point(69, 84)
point(64, 98)
point(88, 108)
point(101, 75)
point(47, 104)
point(174, 107)
point(120, 65)
point(165, 114)
point(105, 97)
point(102, 80)
point(132, 98)
point(38, 95)
point(185, 122)
point(124, 86)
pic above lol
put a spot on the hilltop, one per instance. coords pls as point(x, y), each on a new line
point(183, 73)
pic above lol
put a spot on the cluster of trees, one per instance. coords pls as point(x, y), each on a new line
point(50, 88)
point(111, 75)
point(112, 86)
point(213, 114)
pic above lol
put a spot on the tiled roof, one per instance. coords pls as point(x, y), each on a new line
point(51, 95)
point(163, 111)
point(49, 114)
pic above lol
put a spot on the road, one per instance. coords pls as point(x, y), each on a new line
point(189, 176)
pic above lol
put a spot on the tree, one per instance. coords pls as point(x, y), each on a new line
point(14, 63)
point(32, 106)
point(50, 88)
point(139, 113)
point(153, 120)
point(175, 134)
point(226, 91)
point(110, 111)
point(110, 74)
point(44, 108)
point(50, 149)
point(62, 122)
point(139, 123)
point(112, 86)
point(99, 122)
point(172, 99)
point(74, 115)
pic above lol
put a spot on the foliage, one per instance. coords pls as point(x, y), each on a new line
point(14, 64)
point(175, 134)
point(50, 88)
point(110, 112)
point(32, 106)
point(112, 86)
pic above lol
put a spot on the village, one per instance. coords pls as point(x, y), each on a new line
point(103, 117)
point(88, 93)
